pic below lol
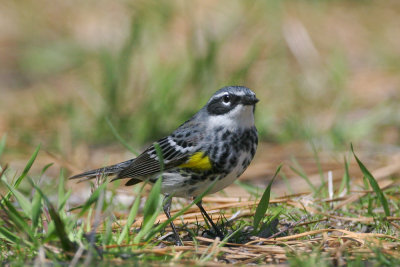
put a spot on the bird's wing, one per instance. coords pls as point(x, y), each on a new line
point(176, 149)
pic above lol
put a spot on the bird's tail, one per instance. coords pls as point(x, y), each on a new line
point(106, 171)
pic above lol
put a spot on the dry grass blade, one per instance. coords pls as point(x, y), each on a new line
point(395, 225)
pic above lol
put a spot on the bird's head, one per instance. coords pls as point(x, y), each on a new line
point(232, 106)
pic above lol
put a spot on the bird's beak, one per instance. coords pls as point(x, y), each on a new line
point(250, 100)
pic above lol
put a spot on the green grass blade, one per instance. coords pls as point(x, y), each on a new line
point(264, 202)
point(10, 237)
point(299, 171)
point(37, 202)
point(146, 227)
point(108, 233)
point(51, 231)
point(317, 160)
point(366, 183)
point(153, 202)
point(66, 244)
point(347, 175)
point(62, 202)
point(61, 192)
point(25, 171)
point(36, 209)
point(27, 167)
point(59, 224)
point(131, 216)
point(120, 139)
point(92, 199)
point(304, 176)
point(18, 220)
point(21, 199)
point(287, 183)
point(373, 184)
point(89, 219)
point(158, 228)
point(346, 178)
point(45, 168)
point(159, 155)
point(251, 189)
point(3, 144)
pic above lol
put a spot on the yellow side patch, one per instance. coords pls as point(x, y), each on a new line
point(198, 161)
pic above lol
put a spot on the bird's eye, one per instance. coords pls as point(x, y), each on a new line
point(226, 99)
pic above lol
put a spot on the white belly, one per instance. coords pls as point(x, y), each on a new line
point(231, 177)
point(173, 184)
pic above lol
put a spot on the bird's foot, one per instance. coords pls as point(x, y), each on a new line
point(213, 235)
point(178, 242)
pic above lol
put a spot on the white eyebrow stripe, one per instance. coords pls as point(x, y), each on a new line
point(221, 94)
point(240, 93)
point(227, 93)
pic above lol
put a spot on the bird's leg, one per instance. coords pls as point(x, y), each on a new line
point(216, 229)
point(167, 208)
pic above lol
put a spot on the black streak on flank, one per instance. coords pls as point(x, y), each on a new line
point(226, 134)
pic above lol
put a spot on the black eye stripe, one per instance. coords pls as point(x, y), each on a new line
point(226, 98)
point(219, 106)
point(239, 95)
point(234, 99)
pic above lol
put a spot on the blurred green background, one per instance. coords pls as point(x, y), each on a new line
point(324, 70)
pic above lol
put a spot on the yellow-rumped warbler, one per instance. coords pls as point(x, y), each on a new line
point(218, 142)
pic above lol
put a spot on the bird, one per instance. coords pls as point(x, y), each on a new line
point(217, 143)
